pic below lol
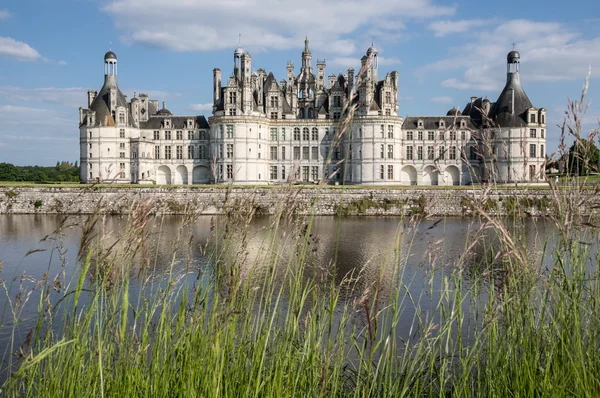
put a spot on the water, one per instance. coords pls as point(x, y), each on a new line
point(363, 247)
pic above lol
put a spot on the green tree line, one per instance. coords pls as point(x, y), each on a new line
point(62, 172)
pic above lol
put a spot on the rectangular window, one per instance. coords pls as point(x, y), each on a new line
point(179, 134)
point(156, 152)
point(202, 152)
point(167, 135)
point(441, 136)
point(168, 152)
point(229, 171)
point(453, 153)
point(190, 135)
point(283, 172)
point(420, 135)
point(390, 151)
point(542, 133)
point(190, 152)
point(229, 131)
point(472, 153)
point(314, 173)
point(420, 153)
point(179, 151)
point(283, 153)
point(388, 97)
point(463, 135)
point(532, 133)
point(296, 153)
point(382, 131)
point(274, 115)
point(430, 135)
point(283, 133)
point(337, 100)
point(409, 135)
point(273, 134)
point(122, 166)
point(304, 153)
point(305, 171)
point(391, 131)
point(273, 172)
point(381, 151)
point(220, 172)
point(390, 172)
point(273, 153)
point(122, 155)
point(296, 133)
point(542, 153)
point(409, 152)
point(315, 153)
point(156, 135)
point(338, 153)
point(305, 134)
point(381, 171)
point(274, 101)
point(532, 118)
point(442, 152)
point(229, 151)
point(121, 133)
point(531, 171)
point(221, 151)
point(121, 145)
point(430, 152)
point(532, 151)
point(315, 134)
point(232, 97)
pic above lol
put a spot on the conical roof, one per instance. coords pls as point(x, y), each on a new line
point(509, 109)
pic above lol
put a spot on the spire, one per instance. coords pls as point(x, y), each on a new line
point(306, 56)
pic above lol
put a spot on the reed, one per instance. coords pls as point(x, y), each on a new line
point(262, 319)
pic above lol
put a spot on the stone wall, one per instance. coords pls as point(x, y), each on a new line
point(300, 200)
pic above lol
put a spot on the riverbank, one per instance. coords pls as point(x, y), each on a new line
point(371, 201)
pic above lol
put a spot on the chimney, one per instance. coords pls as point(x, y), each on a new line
point(216, 85)
point(91, 97)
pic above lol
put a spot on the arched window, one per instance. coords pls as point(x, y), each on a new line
point(310, 113)
point(301, 113)
point(315, 134)
point(297, 133)
point(305, 134)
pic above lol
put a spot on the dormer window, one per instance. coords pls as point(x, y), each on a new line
point(463, 124)
point(442, 124)
point(532, 118)
point(190, 123)
point(167, 123)
point(420, 123)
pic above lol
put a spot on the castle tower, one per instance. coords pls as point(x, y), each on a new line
point(306, 58)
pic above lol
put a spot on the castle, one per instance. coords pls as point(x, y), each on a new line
point(299, 129)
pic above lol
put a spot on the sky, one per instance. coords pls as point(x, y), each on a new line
point(51, 53)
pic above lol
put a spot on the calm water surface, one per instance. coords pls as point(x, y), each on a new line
point(365, 246)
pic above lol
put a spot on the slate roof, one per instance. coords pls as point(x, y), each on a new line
point(177, 122)
point(501, 112)
point(432, 122)
point(100, 106)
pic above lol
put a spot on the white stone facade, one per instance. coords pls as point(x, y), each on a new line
point(265, 132)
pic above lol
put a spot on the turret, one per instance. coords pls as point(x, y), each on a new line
point(306, 57)
point(110, 69)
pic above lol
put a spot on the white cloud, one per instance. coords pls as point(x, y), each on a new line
point(62, 63)
point(549, 52)
point(443, 28)
point(70, 96)
point(12, 48)
point(4, 14)
point(442, 100)
point(203, 25)
point(202, 107)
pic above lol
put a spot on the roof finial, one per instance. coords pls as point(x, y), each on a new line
point(514, 44)
point(239, 39)
point(110, 45)
point(372, 41)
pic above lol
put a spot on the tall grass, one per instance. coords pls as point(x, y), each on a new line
point(264, 319)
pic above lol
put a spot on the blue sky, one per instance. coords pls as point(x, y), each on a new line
point(51, 53)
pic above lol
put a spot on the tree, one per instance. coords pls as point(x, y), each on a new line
point(584, 157)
